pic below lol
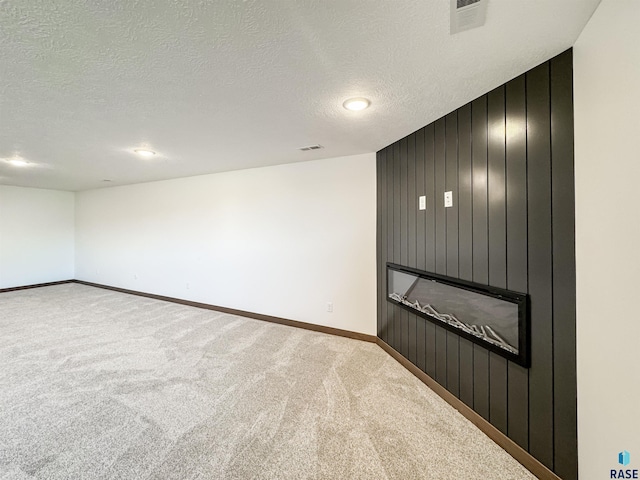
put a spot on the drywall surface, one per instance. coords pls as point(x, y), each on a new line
point(36, 236)
point(607, 167)
point(282, 241)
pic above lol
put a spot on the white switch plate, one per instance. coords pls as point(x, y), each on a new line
point(448, 199)
point(422, 202)
point(329, 307)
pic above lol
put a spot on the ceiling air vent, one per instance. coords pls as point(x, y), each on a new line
point(467, 14)
point(310, 147)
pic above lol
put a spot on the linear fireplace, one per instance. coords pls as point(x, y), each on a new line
point(492, 317)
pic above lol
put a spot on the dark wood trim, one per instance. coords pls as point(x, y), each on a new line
point(565, 417)
point(512, 448)
point(540, 266)
point(37, 285)
point(242, 313)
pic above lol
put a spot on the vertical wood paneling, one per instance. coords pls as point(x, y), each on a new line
point(397, 327)
point(516, 155)
point(412, 207)
point(479, 135)
point(480, 177)
point(397, 198)
point(465, 195)
point(412, 200)
point(404, 205)
point(451, 221)
point(466, 371)
point(441, 219)
point(430, 188)
point(516, 175)
point(497, 243)
point(451, 185)
point(453, 363)
point(465, 247)
point(498, 391)
point(496, 188)
point(421, 245)
point(440, 238)
point(441, 356)
point(397, 242)
point(430, 348)
point(411, 332)
point(421, 344)
point(390, 234)
point(381, 233)
point(564, 278)
point(421, 354)
point(404, 202)
point(508, 158)
point(540, 264)
point(421, 215)
point(481, 381)
point(404, 238)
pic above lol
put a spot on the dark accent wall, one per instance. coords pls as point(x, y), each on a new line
point(508, 158)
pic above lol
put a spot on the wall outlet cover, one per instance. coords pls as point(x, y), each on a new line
point(422, 202)
point(448, 199)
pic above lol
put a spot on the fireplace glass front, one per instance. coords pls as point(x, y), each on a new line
point(492, 317)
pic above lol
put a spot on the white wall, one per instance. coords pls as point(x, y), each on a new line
point(36, 236)
point(281, 241)
point(607, 129)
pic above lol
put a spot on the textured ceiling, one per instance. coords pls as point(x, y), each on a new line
point(224, 85)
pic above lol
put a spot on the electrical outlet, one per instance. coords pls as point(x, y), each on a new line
point(330, 307)
point(422, 202)
point(188, 286)
point(448, 199)
point(135, 276)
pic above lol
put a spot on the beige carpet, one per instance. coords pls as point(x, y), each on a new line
point(101, 385)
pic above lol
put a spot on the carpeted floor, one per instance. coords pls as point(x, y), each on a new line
point(101, 385)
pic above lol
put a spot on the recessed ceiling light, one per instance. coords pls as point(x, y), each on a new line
point(143, 152)
point(17, 162)
point(356, 104)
